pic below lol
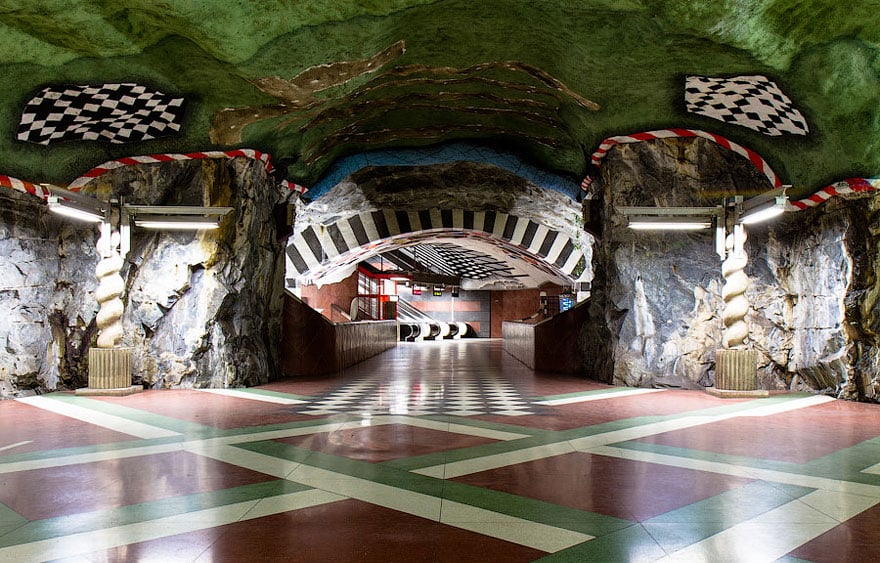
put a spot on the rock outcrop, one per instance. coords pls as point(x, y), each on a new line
point(201, 309)
point(47, 298)
point(657, 298)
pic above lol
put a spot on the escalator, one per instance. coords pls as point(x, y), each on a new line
point(416, 325)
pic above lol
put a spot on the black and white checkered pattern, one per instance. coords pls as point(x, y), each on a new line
point(467, 395)
point(751, 101)
point(119, 113)
point(316, 248)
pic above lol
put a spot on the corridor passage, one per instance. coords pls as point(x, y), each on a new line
point(438, 451)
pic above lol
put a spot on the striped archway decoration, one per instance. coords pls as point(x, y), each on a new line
point(315, 251)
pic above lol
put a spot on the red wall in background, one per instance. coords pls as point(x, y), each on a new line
point(514, 305)
point(508, 305)
point(339, 294)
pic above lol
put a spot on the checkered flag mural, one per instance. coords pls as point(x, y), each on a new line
point(119, 113)
point(751, 101)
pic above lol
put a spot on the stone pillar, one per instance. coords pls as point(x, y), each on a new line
point(109, 364)
point(736, 368)
point(109, 372)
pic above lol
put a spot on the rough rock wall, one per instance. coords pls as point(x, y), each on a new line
point(657, 296)
point(202, 309)
point(828, 314)
point(45, 328)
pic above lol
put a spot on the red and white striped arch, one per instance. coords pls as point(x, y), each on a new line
point(844, 187)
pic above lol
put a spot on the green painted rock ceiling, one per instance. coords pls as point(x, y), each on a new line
point(311, 82)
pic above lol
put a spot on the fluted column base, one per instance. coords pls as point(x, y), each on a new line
point(110, 373)
point(736, 374)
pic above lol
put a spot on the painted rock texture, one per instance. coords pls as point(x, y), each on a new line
point(657, 295)
point(201, 309)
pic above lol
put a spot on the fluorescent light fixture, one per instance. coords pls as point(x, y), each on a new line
point(76, 210)
point(176, 217)
point(176, 222)
point(670, 218)
point(669, 223)
point(399, 278)
point(763, 212)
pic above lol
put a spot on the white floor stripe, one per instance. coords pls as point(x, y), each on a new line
point(62, 461)
point(417, 504)
point(589, 443)
point(774, 533)
point(253, 396)
point(452, 427)
point(255, 461)
point(873, 469)
point(469, 466)
point(519, 231)
point(787, 406)
point(15, 445)
point(110, 421)
point(87, 542)
point(823, 483)
point(597, 397)
point(479, 220)
point(509, 528)
point(556, 248)
point(163, 448)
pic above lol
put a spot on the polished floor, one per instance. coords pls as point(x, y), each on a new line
point(438, 451)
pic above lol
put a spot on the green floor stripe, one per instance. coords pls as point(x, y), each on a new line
point(488, 425)
point(143, 443)
point(626, 423)
point(85, 450)
point(521, 507)
point(137, 415)
point(555, 436)
point(790, 559)
point(9, 516)
point(703, 455)
point(844, 465)
point(534, 510)
point(611, 391)
point(630, 544)
point(136, 513)
point(246, 430)
point(718, 513)
point(472, 452)
point(847, 463)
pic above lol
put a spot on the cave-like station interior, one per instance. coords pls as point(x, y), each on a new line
point(440, 280)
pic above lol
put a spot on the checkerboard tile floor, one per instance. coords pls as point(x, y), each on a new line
point(589, 473)
point(464, 395)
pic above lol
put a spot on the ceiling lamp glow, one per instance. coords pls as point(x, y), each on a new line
point(176, 222)
point(764, 212)
point(75, 210)
point(176, 217)
point(668, 224)
point(670, 218)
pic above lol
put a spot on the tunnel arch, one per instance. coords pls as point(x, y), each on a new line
point(318, 250)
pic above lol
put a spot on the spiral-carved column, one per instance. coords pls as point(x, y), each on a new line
point(736, 368)
point(109, 365)
point(109, 292)
point(736, 305)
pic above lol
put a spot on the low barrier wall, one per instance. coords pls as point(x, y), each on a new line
point(312, 345)
point(550, 345)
